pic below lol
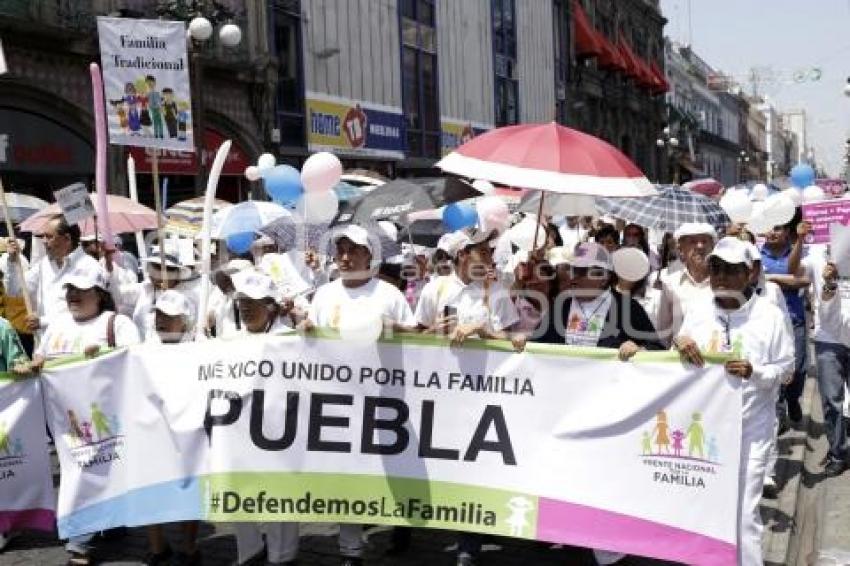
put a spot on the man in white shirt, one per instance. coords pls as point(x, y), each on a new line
point(832, 351)
point(685, 287)
point(44, 278)
point(755, 334)
point(357, 257)
point(468, 301)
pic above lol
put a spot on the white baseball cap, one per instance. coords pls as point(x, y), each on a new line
point(755, 254)
point(451, 243)
point(559, 256)
point(154, 261)
point(695, 229)
point(173, 303)
point(590, 254)
point(356, 234)
point(732, 250)
point(87, 276)
point(255, 285)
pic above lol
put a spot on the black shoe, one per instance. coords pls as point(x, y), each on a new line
point(834, 468)
point(351, 561)
point(158, 558)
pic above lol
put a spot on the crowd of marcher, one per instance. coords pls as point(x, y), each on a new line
point(702, 292)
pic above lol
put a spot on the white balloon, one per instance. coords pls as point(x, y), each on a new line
point(758, 223)
point(266, 162)
point(230, 35)
point(759, 192)
point(737, 205)
point(318, 208)
point(630, 264)
point(483, 187)
point(252, 173)
point(794, 195)
point(200, 28)
point(813, 193)
point(778, 209)
point(321, 172)
point(522, 234)
point(361, 323)
point(493, 214)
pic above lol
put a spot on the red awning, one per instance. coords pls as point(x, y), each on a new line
point(632, 70)
point(587, 42)
point(660, 80)
point(610, 57)
point(638, 70)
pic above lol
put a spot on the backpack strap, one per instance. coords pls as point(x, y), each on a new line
point(110, 331)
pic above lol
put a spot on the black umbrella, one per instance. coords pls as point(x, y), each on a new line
point(398, 198)
point(423, 233)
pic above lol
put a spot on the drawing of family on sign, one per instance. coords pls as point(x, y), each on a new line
point(144, 110)
point(662, 441)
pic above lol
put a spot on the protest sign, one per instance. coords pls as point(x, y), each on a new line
point(75, 203)
point(821, 214)
point(27, 500)
point(559, 444)
point(146, 83)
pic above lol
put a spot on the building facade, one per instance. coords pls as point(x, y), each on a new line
point(46, 103)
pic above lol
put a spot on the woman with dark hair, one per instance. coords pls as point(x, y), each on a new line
point(90, 324)
point(608, 237)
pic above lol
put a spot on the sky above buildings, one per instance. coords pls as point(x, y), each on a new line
point(783, 41)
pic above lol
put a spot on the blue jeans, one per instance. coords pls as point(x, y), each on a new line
point(833, 362)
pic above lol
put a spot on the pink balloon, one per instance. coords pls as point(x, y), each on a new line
point(100, 155)
point(493, 213)
point(321, 172)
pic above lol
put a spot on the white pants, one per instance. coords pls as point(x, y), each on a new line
point(351, 540)
point(281, 541)
point(772, 454)
point(754, 454)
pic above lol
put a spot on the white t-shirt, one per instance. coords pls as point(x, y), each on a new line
point(65, 336)
point(758, 333)
point(436, 294)
point(498, 313)
point(586, 321)
point(332, 298)
point(814, 264)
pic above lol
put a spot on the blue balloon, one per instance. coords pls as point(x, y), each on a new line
point(283, 183)
point(802, 175)
point(458, 215)
point(240, 242)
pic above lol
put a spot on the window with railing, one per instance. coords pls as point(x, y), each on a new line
point(505, 61)
point(420, 92)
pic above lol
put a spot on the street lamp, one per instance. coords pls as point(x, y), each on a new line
point(200, 31)
point(671, 143)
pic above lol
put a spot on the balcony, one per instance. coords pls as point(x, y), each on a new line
point(71, 15)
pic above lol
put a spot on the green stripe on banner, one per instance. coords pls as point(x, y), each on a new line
point(348, 498)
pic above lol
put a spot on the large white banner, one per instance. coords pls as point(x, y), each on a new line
point(560, 444)
point(27, 500)
point(146, 83)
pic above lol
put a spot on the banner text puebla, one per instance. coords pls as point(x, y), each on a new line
point(557, 444)
point(26, 486)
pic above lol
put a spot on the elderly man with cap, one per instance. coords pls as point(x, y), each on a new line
point(44, 278)
point(467, 302)
point(357, 254)
point(755, 334)
point(682, 288)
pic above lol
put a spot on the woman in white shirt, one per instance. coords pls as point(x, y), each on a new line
point(90, 324)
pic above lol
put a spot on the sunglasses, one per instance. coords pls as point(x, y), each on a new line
point(588, 272)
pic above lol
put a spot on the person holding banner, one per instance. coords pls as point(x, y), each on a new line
point(754, 334)
point(89, 325)
point(257, 299)
point(357, 257)
point(174, 317)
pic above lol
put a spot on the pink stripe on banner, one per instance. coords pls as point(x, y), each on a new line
point(568, 523)
point(38, 519)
